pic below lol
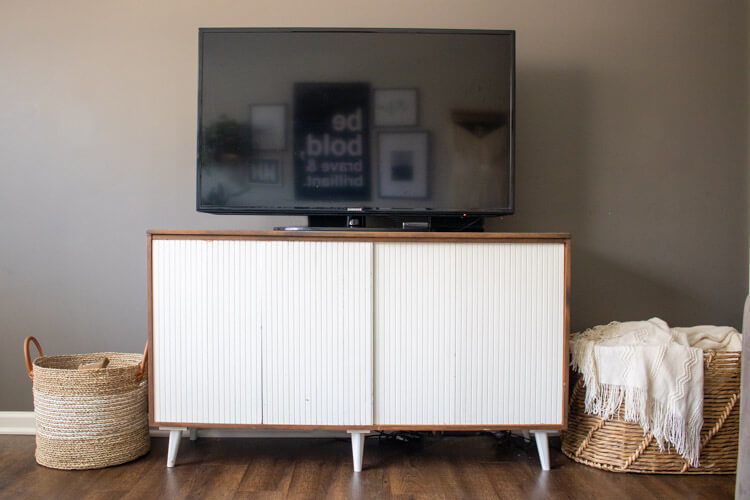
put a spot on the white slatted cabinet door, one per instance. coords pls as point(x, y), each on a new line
point(317, 338)
point(206, 331)
point(510, 333)
point(468, 333)
point(415, 323)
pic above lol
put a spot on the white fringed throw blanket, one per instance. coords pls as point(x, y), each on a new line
point(657, 372)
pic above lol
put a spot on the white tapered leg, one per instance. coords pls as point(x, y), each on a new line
point(542, 446)
point(358, 448)
point(174, 444)
point(526, 435)
point(193, 434)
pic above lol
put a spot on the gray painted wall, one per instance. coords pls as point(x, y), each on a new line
point(632, 135)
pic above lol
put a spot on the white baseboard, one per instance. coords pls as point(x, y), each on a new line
point(22, 423)
point(17, 422)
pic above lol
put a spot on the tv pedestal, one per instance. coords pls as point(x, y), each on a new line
point(363, 222)
point(358, 331)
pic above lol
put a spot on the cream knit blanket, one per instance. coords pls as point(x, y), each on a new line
point(657, 372)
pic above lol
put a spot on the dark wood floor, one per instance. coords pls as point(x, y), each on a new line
point(439, 467)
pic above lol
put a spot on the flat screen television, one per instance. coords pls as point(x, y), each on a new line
point(367, 121)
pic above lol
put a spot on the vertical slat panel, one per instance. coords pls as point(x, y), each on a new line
point(318, 333)
point(415, 347)
point(468, 333)
point(207, 335)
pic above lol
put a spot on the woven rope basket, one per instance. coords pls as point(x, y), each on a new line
point(88, 419)
point(620, 446)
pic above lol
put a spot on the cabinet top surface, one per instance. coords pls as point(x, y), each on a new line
point(356, 235)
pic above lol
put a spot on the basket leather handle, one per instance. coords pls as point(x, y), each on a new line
point(27, 354)
point(143, 366)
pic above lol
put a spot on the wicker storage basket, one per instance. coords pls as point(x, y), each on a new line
point(88, 419)
point(620, 446)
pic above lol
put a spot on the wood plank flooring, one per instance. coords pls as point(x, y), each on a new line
point(479, 466)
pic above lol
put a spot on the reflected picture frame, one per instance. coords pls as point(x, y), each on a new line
point(403, 164)
point(264, 171)
point(268, 127)
point(396, 107)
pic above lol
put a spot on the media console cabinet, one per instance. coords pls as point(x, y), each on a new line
point(358, 331)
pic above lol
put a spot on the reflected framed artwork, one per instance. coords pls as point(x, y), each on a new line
point(396, 107)
point(268, 127)
point(263, 171)
point(403, 163)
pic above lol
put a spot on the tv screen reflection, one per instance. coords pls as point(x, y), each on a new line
point(382, 120)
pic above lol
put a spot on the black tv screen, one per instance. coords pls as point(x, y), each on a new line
point(323, 121)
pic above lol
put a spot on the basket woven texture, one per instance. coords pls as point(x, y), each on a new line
point(88, 419)
point(620, 446)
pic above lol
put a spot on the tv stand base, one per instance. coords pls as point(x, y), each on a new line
point(407, 223)
point(175, 433)
point(358, 448)
point(542, 446)
point(358, 445)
